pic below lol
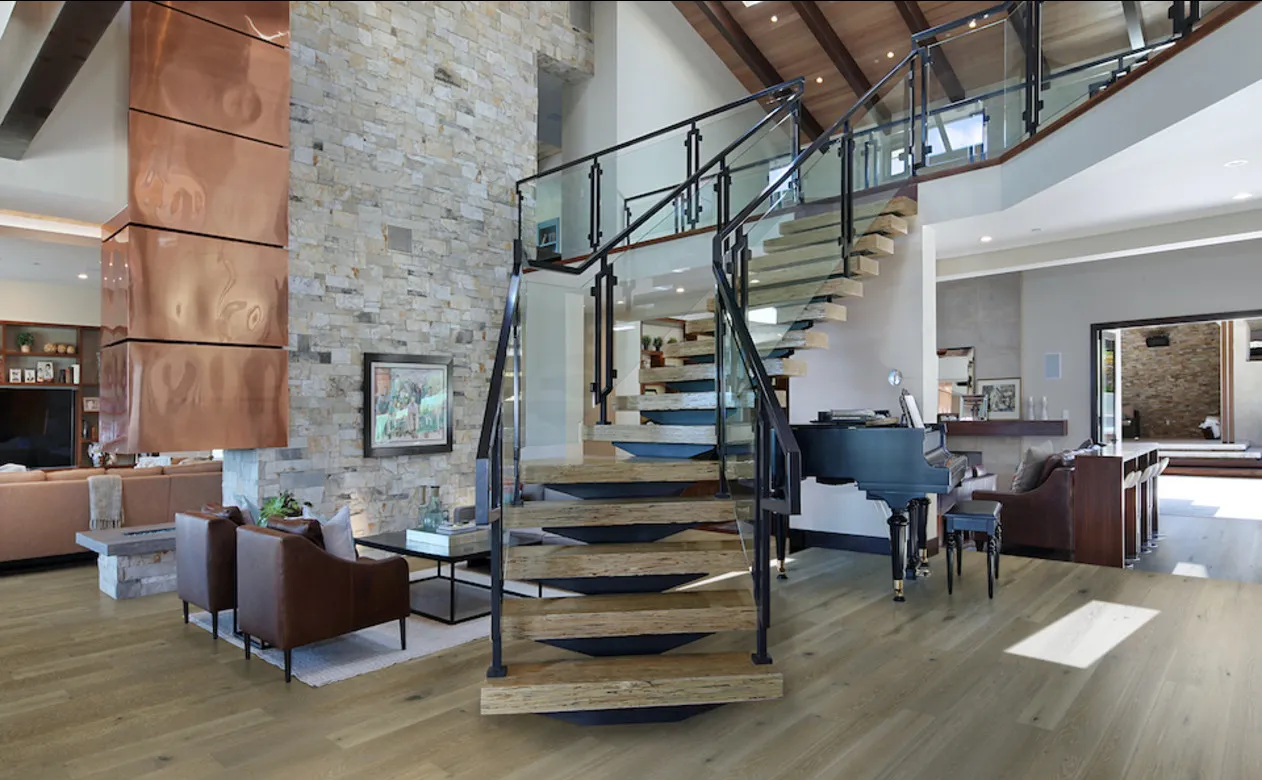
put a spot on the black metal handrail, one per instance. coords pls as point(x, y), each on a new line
point(781, 111)
point(776, 91)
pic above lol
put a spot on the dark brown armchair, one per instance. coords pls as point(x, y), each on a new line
point(293, 592)
point(1042, 517)
point(206, 561)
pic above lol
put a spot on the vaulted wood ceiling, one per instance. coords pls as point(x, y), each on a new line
point(852, 45)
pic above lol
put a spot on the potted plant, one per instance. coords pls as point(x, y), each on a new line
point(672, 340)
point(646, 343)
point(657, 344)
point(26, 340)
point(284, 505)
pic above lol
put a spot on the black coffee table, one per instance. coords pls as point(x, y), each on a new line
point(425, 598)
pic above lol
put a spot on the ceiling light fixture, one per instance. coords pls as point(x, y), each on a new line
point(751, 3)
point(1242, 196)
point(621, 302)
point(986, 239)
point(83, 276)
point(972, 24)
point(679, 289)
point(753, 281)
point(819, 79)
point(1235, 163)
point(889, 55)
point(774, 19)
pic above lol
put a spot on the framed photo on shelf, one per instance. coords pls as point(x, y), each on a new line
point(15, 376)
point(91, 404)
point(407, 404)
point(28, 376)
point(1003, 398)
point(44, 371)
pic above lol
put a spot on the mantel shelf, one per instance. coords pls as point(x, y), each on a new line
point(1007, 428)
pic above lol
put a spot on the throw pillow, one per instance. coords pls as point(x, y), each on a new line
point(1031, 467)
point(339, 540)
point(307, 529)
point(1050, 465)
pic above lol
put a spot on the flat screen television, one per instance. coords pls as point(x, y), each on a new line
point(37, 427)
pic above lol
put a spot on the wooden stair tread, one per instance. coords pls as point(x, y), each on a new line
point(792, 339)
point(618, 470)
point(882, 224)
point(839, 287)
point(900, 206)
point(668, 402)
point(620, 511)
point(630, 682)
point(872, 244)
point(816, 270)
point(703, 371)
point(623, 560)
point(665, 434)
point(632, 614)
point(814, 312)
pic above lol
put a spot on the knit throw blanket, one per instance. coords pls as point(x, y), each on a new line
point(105, 494)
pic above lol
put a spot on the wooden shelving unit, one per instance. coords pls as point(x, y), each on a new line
point(87, 346)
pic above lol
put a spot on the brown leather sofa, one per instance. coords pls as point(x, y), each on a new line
point(41, 511)
point(1042, 517)
point(206, 562)
point(291, 592)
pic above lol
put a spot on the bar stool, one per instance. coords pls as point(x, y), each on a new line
point(1130, 518)
point(979, 517)
point(1149, 482)
point(1162, 465)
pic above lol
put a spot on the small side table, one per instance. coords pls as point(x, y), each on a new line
point(978, 517)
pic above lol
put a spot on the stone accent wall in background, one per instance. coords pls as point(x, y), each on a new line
point(1174, 388)
point(411, 116)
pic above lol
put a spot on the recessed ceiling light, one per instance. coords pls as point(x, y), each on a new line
point(83, 276)
point(679, 289)
point(986, 239)
point(753, 281)
point(775, 19)
point(819, 79)
point(677, 270)
point(621, 302)
point(1242, 196)
point(749, 3)
point(889, 55)
point(1235, 163)
point(972, 23)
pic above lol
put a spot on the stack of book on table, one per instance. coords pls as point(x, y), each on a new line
point(450, 540)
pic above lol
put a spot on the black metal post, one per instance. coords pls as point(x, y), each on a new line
point(593, 187)
point(911, 119)
point(692, 162)
point(720, 393)
point(606, 390)
point(795, 121)
point(517, 486)
point(762, 534)
point(925, 149)
point(1033, 66)
point(847, 196)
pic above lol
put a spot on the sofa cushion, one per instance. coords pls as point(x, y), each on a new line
point(66, 475)
point(153, 471)
point(338, 537)
point(196, 467)
point(13, 477)
point(227, 512)
point(1030, 472)
point(1050, 465)
point(305, 527)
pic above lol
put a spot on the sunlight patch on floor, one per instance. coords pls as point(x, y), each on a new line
point(1185, 569)
point(1085, 635)
point(1212, 496)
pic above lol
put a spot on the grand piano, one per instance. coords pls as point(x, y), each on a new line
point(900, 464)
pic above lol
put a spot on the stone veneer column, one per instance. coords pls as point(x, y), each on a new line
point(195, 295)
point(411, 123)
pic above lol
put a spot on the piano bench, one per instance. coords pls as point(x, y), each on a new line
point(976, 517)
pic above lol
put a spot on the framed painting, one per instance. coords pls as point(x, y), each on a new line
point(1003, 397)
point(407, 404)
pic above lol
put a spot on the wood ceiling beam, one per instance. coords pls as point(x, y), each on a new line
point(752, 56)
point(915, 20)
point(1134, 24)
point(1017, 18)
point(828, 40)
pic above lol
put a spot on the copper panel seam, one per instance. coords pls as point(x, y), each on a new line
point(267, 21)
point(197, 72)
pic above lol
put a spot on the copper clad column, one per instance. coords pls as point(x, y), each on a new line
point(195, 271)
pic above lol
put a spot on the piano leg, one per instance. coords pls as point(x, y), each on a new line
point(922, 536)
point(782, 544)
point(898, 550)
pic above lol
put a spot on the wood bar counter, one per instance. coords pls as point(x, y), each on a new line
point(1100, 501)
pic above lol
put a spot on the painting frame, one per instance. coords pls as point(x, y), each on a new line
point(375, 363)
point(1004, 397)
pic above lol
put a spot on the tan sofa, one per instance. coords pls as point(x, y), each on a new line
point(41, 511)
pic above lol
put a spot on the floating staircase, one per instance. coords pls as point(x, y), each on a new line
point(631, 538)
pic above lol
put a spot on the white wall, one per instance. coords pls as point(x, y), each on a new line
point(1059, 305)
point(892, 326)
point(1247, 388)
point(59, 304)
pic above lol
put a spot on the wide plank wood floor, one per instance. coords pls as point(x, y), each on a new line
point(92, 688)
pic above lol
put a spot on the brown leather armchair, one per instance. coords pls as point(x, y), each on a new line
point(206, 562)
point(293, 593)
point(1042, 517)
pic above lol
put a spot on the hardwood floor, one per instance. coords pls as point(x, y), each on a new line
point(92, 688)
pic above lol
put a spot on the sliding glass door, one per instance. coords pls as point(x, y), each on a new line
point(1109, 386)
